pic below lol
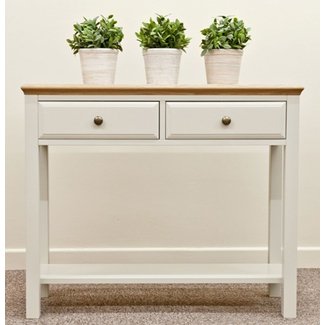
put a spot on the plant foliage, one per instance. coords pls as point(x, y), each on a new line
point(96, 33)
point(225, 33)
point(162, 33)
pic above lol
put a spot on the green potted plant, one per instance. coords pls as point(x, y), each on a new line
point(222, 48)
point(162, 41)
point(98, 42)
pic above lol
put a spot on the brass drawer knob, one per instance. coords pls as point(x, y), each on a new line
point(98, 120)
point(226, 120)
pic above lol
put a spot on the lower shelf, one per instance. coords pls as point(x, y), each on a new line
point(161, 273)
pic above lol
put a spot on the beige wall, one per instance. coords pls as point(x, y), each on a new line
point(225, 188)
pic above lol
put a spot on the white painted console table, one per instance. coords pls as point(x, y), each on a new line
point(164, 116)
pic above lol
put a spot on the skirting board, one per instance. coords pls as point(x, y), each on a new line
point(308, 257)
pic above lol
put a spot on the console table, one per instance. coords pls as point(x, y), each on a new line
point(164, 116)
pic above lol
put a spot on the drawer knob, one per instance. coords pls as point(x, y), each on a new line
point(226, 120)
point(98, 120)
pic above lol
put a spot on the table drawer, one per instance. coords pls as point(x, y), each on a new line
point(206, 120)
point(120, 120)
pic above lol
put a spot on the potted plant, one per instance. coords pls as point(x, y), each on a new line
point(162, 41)
point(98, 42)
point(222, 47)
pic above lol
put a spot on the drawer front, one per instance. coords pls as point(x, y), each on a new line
point(204, 120)
point(121, 120)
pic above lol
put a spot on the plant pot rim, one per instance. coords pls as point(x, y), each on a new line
point(98, 50)
point(224, 51)
point(161, 50)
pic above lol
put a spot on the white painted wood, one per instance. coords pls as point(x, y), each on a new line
point(162, 142)
point(308, 256)
point(44, 212)
point(162, 122)
point(289, 257)
point(179, 121)
point(203, 120)
point(161, 273)
point(121, 120)
point(275, 211)
point(33, 288)
point(217, 98)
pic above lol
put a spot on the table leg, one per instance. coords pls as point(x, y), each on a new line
point(33, 287)
point(44, 212)
point(289, 254)
point(275, 212)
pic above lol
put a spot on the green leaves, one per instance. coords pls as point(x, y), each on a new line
point(94, 33)
point(162, 33)
point(225, 33)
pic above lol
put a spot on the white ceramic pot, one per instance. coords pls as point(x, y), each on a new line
point(222, 66)
point(162, 66)
point(98, 65)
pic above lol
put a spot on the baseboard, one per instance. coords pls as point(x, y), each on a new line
point(308, 257)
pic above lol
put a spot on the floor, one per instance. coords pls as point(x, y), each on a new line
point(221, 304)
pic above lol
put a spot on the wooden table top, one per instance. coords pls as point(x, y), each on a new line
point(83, 89)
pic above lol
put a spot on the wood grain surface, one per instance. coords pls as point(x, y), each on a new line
point(66, 89)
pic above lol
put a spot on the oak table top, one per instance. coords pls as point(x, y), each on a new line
point(83, 89)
